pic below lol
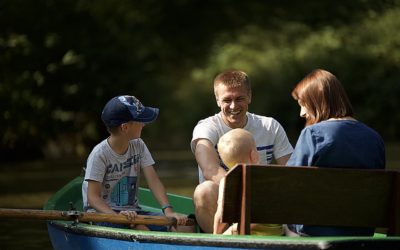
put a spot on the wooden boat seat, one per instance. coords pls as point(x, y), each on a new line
point(312, 196)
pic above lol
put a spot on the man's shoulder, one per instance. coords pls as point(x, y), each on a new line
point(212, 118)
point(209, 122)
point(255, 118)
point(208, 128)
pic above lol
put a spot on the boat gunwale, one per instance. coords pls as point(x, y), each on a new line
point(235, 241)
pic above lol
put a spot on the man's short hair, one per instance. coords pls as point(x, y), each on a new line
point(233, 78)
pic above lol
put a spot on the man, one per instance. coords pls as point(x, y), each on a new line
point(233, 95)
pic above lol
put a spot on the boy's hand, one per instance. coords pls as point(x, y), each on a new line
point(180, 218)
point(130, 215)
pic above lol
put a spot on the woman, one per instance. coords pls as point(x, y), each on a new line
point(332, 138)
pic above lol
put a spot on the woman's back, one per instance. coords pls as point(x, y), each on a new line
point(339, 143)
point(342, 144)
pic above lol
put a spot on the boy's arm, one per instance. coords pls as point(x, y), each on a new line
point(155, 185)
point(95, 200)
point(158, 190)
point(207, 158)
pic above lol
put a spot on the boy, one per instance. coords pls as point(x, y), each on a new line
point(113, 167)
point(238, 146)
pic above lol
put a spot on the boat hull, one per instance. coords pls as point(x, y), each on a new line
point(66, 235)
point(63, 239)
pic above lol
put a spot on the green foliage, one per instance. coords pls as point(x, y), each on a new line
point(364, 55)
point(62, 60)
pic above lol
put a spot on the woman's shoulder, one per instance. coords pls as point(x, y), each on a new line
point(319, 129)
point(341, 128)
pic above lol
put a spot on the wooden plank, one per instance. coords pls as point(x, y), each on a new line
point(245, 215)
point(394, 220)
point(316, 196)
point(232, 195)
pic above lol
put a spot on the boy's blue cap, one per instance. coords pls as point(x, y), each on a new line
point(126, 108)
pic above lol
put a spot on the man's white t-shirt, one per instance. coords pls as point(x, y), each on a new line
point(119, 174)
point(270, 137)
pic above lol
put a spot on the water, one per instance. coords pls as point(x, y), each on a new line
point(30, 184)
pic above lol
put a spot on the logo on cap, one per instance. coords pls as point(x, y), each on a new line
point(133, 104)
point(126, 108)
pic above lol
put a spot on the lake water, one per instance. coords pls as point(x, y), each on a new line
point(30, 184)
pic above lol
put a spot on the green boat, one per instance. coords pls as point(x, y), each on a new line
point(77, 235)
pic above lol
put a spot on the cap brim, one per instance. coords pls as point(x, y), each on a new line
point(148, 115)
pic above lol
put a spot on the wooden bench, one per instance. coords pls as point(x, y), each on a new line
point(312, 196)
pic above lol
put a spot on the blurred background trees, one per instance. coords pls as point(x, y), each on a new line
point(61, 61)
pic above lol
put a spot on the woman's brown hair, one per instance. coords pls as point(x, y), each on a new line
point(324, 97)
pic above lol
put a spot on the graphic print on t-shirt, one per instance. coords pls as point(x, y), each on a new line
point(124, 192)
point(267, 157)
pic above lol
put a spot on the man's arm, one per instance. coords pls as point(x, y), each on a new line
point(282, 160)
point(207, 158)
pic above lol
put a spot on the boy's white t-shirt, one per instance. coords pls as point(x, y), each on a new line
point(270, 137)
point(119, 174)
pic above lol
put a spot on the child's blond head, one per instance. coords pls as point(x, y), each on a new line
point(237, 146)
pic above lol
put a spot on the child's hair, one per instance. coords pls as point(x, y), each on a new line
point(236, 146)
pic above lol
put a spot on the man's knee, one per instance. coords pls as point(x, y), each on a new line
point(205, 192)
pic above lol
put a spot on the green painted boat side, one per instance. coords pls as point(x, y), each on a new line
point(71, 193)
